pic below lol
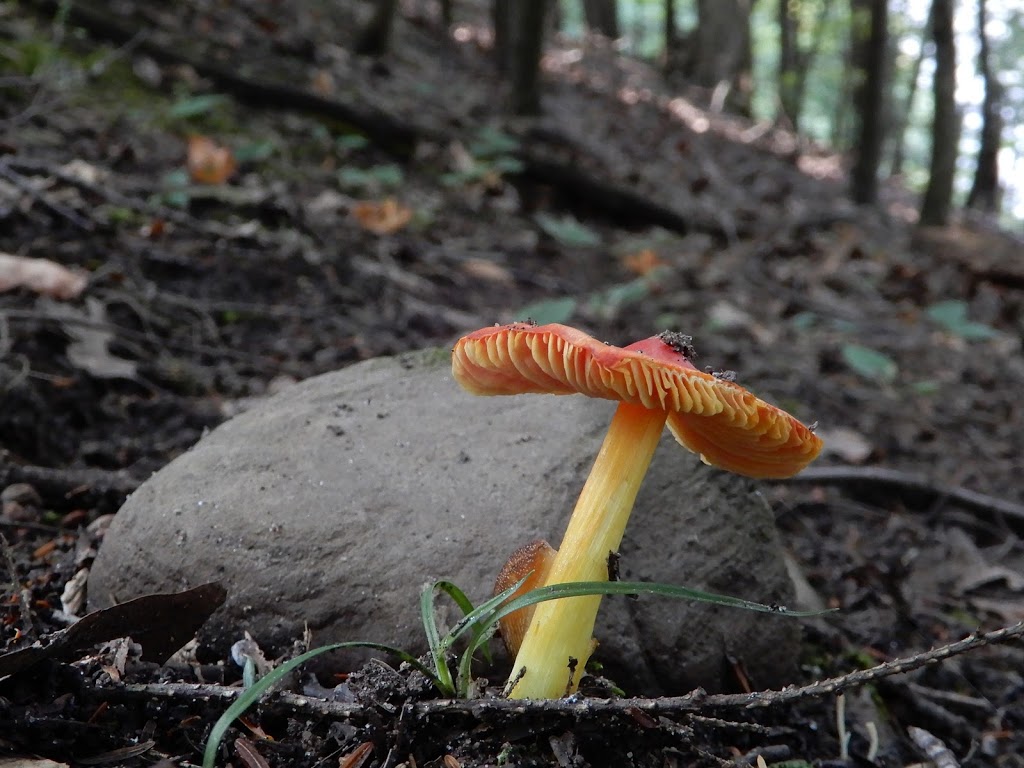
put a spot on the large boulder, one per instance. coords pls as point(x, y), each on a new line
point(330, 504)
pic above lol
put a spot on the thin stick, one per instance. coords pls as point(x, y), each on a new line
point(910, 481)
point(577, 708)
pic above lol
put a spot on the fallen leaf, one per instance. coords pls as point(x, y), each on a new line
point(868, 363)
point(88, 348)
point(482, 269)
point(642, 262)
point(1008, 611)
point(161, 623)
point(357, 756)
point(72, 599)
point(248, 754)
point(40, 275)
point(382, 217)
point(323, 83)
point(847, 444)
point(208, 161)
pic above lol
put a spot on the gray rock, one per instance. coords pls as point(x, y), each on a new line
point(330, 504)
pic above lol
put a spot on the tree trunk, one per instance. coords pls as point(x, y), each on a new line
point(985, 190)
point(671, 33)
point(527, 46)
point(723, 56)
point(938, 196)
point(789, 62)
point(602, 16)
point(903, 117)
point(375, 37)
point(869, 21)
point(503, 20)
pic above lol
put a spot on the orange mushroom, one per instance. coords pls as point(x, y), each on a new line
point(655, 383)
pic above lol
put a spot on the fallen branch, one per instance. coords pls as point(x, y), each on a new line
point(916, 483)
point(60, 487)
point(574, 708)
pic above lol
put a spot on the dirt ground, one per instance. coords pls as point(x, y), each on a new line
point(626, 209)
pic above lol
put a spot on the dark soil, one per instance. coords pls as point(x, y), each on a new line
point(200, 298)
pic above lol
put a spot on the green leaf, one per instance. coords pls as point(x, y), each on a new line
point(373, 180)
point(549, 310)
point(490, 142)
point(868, 363)
point(194, 106)
point(925, 387)
point(567, 230)
point(607, 303)
point(255, 151)
point(351, 142)
point(952, 316)
point(802, 321)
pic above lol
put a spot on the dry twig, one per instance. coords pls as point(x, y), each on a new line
point(576, 708)
point(916, 483)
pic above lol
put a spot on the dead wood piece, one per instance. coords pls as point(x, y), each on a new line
point(916, 483)
point(22, 184)
point(60, 487)
point(615, 202)
point(575, 708)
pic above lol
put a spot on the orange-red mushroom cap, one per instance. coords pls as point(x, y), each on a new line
point(727, 425)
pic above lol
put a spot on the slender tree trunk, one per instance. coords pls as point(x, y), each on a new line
point(527, 46)
point(375, 37)
point(985, 189)
point(789, 62)
point(602, 16)
point(503, 20)
point(938, 197)
point(671, 33)
point(870, 25)
point(723, 56)
point(903, 115)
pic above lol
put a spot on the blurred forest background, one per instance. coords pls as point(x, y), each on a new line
point(926, 92)
point(945, 73)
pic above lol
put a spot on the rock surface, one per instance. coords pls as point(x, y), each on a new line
point(330, 504)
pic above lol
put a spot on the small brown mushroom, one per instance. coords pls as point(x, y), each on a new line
point(533, 561)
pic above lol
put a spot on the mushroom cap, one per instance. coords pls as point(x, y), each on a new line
point(728, 426)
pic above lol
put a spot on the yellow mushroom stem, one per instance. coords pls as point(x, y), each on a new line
point(563, 629)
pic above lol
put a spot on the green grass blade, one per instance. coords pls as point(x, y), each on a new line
point(464, 603)
point(251, 695)
point(480, 617)
point(438, 650)
point(582, 588)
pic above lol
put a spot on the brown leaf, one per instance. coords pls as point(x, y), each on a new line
point(382, 217)
point(642, 262)
point(248, 754)
point(208, 161)
point(357, 756)
point(482, 269)
point(161, 623)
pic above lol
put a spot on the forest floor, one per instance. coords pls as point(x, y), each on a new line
point(625, 210)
